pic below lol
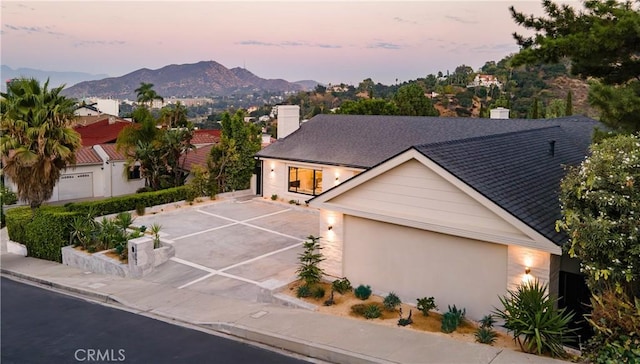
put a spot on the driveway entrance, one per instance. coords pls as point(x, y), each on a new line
point(232, 248)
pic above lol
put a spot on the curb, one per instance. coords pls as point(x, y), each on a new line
point(101, 297)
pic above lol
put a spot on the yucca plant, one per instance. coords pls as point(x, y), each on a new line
point(155, 230)
point(486, 335)
point(537, 326)
point(487, 321)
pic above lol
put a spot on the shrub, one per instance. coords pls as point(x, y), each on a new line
point(486, 335)
point(303, 291)
point(487, 321)
point(372, 311)
point(458, 314)
point(426, 304)
point(7, 196)
point(341, 285)
point(368, 311)
point(274, 197)
point(318, 292)
point(391, 301)
point(155, 230)
point(140, 209)
point(529, 312)
point(362, 292)
point(449, 322)
point(48, 232)
point(17, 220)
point(309, 271)
point(616, 324)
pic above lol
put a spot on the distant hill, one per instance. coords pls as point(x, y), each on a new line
point(55, 78)
point(207, 78)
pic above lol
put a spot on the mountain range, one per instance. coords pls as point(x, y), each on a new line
point(55, 78)
point(202, 79)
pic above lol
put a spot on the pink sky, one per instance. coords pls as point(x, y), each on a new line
point(329, 42)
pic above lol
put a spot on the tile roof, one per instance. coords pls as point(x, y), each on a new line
point(112, 152)
point(86, 155)
point(206, 136)
point(364, 141)
point(196, 157)
point(101, 131)
point(516, 170)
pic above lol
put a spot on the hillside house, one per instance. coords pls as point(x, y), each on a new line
point(485, 80)
point(460, 209)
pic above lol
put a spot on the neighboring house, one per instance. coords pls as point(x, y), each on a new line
point(460, 209)
point(101, 130)
point(87, 110)
point(485, 80)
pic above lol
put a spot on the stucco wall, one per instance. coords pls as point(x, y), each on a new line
point(120, 185)
point(275, 177)
point(520, 259)
point(332, 242)
point(416, 263)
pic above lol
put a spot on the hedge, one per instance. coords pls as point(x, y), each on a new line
point(17, 220)
point(48, 232)
point(114, 205)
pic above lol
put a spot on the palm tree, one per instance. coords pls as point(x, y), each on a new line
point(146, 94)
point(37, 141)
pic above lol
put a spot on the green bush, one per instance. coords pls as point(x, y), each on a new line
point(487, 321)
point(303, 291)
point(17, 220)
point(7, 196)
point(308, 269)
point(530, 314)
point(372, 311)
point(341, 285)
point(48, 232)
point(486, 335)
point(616, 323)
point(318, 292)
point(426, 304)
point(114, 205)
point(449, 322)
point(391, 301)
point(362, 292)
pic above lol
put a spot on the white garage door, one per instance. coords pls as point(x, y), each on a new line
point(416, 263)
point(73, 186)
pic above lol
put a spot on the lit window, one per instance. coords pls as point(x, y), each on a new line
point(305, 181)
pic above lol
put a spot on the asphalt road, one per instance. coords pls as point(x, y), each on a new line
point(41, 326)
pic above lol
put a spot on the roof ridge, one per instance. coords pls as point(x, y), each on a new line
point(488, 136)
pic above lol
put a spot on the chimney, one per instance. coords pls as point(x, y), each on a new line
point(266, 139)
point(500, 113)
point(288, 119)
point(112, 120)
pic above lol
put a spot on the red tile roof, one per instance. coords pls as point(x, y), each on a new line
point(86, 155)
point(113, 154)
point(206, 136)
point(101, 131)
point(196, 157)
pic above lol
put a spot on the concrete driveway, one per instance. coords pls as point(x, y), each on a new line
point(232, 248)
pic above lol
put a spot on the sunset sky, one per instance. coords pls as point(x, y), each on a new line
point(325, 41)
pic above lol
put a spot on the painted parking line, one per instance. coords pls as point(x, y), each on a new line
point(221, 272)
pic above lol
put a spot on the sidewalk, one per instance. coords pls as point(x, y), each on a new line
point(308, 333)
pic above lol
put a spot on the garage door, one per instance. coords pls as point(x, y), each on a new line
point(73, 186)
point(416, 263)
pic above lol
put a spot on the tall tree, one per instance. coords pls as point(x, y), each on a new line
point(368, 107)
point(411, 101)
point(37, 140)
point(146, 94)
point(569, 104)
point(602, 41)
point(231, 162)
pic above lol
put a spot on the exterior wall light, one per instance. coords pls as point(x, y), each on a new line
point(527, 270)
point(329, 227)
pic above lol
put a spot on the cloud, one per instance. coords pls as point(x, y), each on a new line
point(91, 43)
point(400, 20)
point(461, 20)
point(24, 29)
point(493, 48)
point(385, 45)
point(285, 44)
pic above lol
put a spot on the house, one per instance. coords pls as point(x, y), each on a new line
point(460, 209)
point(87, 110)
point(485, 80)
point(100, 130)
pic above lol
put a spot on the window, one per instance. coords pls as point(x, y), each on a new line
point(134, 173)
point(305, 181)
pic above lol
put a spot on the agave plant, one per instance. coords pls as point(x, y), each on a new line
point(537, 326)
point(486, 335)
